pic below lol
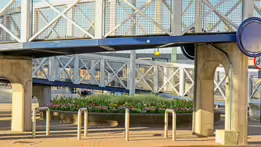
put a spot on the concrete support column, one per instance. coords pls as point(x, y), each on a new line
point(19, 72)
point(43, 94)
point(208, 57)
point(236, 120)
point(207, 60)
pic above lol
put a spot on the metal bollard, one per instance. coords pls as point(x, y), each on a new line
point(47, 110)
point(173, 124)
point(85, 127)
point(127, 124)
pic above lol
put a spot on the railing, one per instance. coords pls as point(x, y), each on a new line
point(127, 124)
point(52, 19)
point(47, 110)
point(166, 120)
point(85, 127)
point(174, 119)
point(113, 71)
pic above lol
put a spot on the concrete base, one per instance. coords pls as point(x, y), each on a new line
point(224, 137)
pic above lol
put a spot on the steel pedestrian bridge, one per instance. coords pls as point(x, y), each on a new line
point(46, 28)
point(41, 28)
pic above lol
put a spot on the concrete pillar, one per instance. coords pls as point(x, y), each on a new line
point(206, 62)
point(236, 120)
point(235, 63)
point(43, 94)
point(19, 72)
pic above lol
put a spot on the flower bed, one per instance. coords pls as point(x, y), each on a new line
point(117, 104)
point(145, 109)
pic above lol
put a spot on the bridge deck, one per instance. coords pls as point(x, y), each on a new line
point(66, 47)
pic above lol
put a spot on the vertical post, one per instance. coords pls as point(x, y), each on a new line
point(52, 69)
point(113, 16)
point(36, 20)
point(158, 15)
point(181, 81)
point(127, 124)
point(76, 71)
point(199, 16)
point(250, 86)
point(132, 73)
point(102, 73)
point(79, 127)
point(166, 126)
point(198, 28)
point(173, 124)
point(92, 71)
point(248, 9)
point(165, 78)
point(34, 123)
point(176, 19)
point(26, 22)
point(58, 70)
point(156, 79)
point(174, 119)
point(47, 122)
point(70, 30)
point(99, 18)
point(85, 123)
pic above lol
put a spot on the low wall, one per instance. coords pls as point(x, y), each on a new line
point(117, 119)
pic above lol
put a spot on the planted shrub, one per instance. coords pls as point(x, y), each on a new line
point(117, 104)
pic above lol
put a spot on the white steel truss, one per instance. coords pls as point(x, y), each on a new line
point(112, 71)
point(54, 19)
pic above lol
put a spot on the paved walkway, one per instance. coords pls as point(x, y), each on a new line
point(65, 135)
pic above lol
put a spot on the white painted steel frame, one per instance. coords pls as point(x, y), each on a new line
point(63, 67)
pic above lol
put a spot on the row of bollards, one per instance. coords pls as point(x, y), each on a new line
point(127, 122)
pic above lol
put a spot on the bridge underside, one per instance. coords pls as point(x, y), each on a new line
point(68, 47)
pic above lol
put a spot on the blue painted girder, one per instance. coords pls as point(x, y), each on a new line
point(67, 47)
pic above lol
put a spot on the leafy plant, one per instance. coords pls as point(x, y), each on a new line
point(117, 104)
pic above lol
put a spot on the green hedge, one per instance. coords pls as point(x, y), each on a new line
point(117, 104)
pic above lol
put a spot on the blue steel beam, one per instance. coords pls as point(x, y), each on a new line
point(67, 47)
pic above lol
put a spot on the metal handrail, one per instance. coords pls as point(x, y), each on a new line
point(127, 124)
point(173, 124)
point(47, 110)
point(80, 123)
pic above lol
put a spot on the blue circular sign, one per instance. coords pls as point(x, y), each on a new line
point(249, 37)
